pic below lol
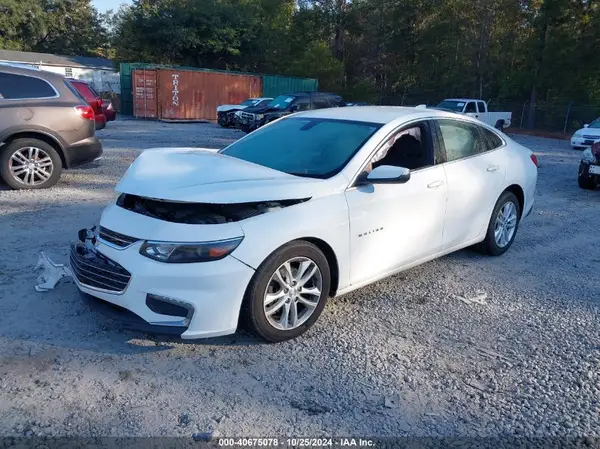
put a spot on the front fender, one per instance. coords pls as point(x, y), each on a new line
point(324, 218)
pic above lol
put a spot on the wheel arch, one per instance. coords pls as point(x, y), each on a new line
point(332, 260)
point(50, 140)
point(517, 190)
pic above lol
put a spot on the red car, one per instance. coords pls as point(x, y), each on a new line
point(93, 99)
point(109, 111)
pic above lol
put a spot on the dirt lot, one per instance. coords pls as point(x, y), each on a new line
point(401, 357)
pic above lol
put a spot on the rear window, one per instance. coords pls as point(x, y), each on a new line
point(21, 87)
point(74, 90)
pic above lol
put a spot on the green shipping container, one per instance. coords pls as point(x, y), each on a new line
point(273, 85)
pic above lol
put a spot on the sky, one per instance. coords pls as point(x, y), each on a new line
point(103, 5)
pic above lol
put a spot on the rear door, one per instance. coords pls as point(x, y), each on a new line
point(475, 168)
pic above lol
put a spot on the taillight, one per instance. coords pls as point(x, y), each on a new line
point(534, 159)
point(86, 112)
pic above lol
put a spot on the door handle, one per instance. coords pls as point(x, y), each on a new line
point(492, 168)
point(435, 184)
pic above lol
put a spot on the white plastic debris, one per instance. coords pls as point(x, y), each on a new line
point(52, 273)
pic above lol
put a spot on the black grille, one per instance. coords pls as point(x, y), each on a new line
point(92, 269)
point(120, 240)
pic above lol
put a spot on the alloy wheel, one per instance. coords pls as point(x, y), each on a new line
point(506, 224)
point(293, 293)
point(31, 166)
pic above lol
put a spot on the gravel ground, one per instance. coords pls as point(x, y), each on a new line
point(401, 357)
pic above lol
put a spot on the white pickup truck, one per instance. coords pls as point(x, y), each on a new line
point(477, 109)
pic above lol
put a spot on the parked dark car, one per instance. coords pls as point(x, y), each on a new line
point(589, 168)
point(252, 118)
point(93, 98)
point(45, 126)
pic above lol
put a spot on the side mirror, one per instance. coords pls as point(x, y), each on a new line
point(586, 125)
point(386, 174)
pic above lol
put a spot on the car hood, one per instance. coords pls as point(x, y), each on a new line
point(595, 132)
point(262, 110)
point(229, 107)
point(205, 176)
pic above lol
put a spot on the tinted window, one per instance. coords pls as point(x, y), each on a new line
point(492, 139)
point(461, 139)
point(317, 148)
point(22, 87)
point(320, 103)
point(302, 104)
point(481, 106)
point(470, 107)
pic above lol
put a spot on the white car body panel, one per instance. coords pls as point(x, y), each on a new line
point(200, 176)
point(582, 137)
point(369, 231)
point(396, 224)
point(475, 184)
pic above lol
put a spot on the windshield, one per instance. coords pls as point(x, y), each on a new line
point(456, 106)
point(595, 124)
point(310, 147)
point(281, 102)
point(250, 102)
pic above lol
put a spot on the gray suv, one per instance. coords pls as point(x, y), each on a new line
point(45, 126)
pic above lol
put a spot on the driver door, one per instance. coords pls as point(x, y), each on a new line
point(394, 225)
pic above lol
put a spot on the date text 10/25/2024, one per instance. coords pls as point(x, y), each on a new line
point(295, 442)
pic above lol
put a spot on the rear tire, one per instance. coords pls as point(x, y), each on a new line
point(499, 125)
point(503, 226)
point(30, 164)
point(276, 290)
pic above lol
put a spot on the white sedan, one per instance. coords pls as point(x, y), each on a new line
point(310, 207)
point(585, 137)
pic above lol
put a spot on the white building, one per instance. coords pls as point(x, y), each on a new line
point(102, 73)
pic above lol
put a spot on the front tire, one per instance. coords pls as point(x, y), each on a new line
point(503, 225)
point(30, 164)
point(287, 293)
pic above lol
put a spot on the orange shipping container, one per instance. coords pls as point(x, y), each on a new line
point(145, 102)
point(191, 95)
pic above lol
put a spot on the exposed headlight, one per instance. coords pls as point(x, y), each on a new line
point(238, 114)
point(259, 116)
point(588, 156)
point(189, 252)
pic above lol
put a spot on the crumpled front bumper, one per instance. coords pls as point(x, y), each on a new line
point(197, 300)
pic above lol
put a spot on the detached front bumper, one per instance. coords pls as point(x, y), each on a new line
point(197, 300)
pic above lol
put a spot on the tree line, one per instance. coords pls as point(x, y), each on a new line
point(380, 51)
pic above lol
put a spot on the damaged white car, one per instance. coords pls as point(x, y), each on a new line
point(308, 207)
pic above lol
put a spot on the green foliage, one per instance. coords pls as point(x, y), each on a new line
point(386, 51)
point(68, 27)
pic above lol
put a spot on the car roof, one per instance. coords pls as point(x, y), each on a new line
point(376, 114)
point(461, 99)
point(24, 69)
